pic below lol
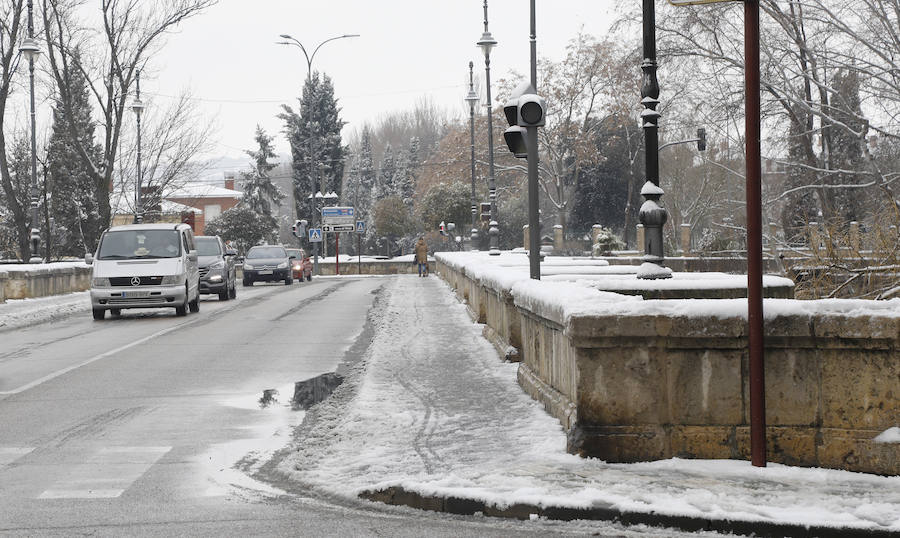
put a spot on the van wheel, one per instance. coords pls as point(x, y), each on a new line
point(226, 293)
point(98, 313)
point(232, 293)
point(247, 282)
point(195, 304)
point(181, 310)
point(115, 311)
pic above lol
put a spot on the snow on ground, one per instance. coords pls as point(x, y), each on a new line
point(16, 313)
point(433, 409)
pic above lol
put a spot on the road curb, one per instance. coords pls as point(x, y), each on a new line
point(396, 495)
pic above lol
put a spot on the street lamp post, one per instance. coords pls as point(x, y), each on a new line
point(472, 99)
point(32, 51)
point(138, 107)
point(652, 215)
point(290, 40)
point(487, 42)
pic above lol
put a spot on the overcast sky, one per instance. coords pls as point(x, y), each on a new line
point(229, 59)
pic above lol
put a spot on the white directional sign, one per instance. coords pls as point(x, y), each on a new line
point(331, 228)
point(315, 235)
point(360, 226)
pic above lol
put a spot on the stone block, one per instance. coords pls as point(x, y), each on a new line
point(860, 389)
point(622, 386)
point(704, 387)
point(792, 388)
point(705, 442)
point(789, 446)
point(854, 450)
point(619, 444)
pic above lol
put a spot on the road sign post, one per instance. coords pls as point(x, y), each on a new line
point(360, 230)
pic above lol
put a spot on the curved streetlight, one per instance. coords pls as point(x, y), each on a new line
point(487, 42)
point(31, 51)
point(472, 99)
point(309, 60)
point(309, 57)
point(138, 108)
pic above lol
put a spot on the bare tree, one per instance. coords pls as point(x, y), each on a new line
point(110, 59)
point(12, 30)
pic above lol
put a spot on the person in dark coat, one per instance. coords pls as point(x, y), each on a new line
point(422, 256)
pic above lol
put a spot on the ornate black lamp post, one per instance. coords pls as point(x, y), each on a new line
point(651, 215)
point(487, 42)
point(138, 108)
point(472, 99)
point(32, 51)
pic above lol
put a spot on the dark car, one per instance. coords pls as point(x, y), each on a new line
point(302, 267)
point(267, 263)
point(217, 272)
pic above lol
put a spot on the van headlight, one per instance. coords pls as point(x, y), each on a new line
point(217, 265)
point(170, 280)
point(282, 265)
point(248, 266)
point(99, 282)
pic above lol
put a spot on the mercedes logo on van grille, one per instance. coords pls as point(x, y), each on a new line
point(135, 281)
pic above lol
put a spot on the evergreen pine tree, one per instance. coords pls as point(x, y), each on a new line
point(314, 134)
point(73, 204)
point(384, 186)
point(845, 149)
point(260, 194)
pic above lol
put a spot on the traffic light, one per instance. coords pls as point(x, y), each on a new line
point(443, 228)
point(524, 109)
point(701, 139)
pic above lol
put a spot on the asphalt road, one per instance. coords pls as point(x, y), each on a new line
point(133, 426)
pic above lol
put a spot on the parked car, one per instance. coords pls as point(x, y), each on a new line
point(267, 263)
point(217, 271)
point(145, 266)
point(301, 266)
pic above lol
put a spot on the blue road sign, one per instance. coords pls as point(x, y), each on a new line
point(315, 235)
point(337, 212)
point(360, 226)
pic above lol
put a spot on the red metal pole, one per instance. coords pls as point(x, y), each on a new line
point(754, 236)
point(337, 254)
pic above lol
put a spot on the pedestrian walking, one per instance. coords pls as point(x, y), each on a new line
point(422, 256)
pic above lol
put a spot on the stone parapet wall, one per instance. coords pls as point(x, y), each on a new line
point(386, 267)
point(647, 380)
point(43, 280)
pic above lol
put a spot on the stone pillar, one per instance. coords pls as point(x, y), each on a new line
point(558, 239)
point(595, 231)
point(640, 237)
point(525, 236)
point(685, 239)
point(814, 240)
point(854, 237)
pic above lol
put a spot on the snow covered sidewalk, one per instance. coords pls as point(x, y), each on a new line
point(433, 412)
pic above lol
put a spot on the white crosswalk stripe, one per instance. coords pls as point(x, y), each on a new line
point(107, 473)
point(9, 454)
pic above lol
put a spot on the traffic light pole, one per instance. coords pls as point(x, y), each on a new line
point(534, 221)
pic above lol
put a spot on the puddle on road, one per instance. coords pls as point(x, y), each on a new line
point(228, 467)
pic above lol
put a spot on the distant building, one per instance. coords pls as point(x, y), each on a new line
point(208, 200)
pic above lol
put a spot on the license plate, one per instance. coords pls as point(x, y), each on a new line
point(133, 294)
point(265, 272)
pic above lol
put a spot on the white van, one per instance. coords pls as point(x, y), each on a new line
point(145, 266)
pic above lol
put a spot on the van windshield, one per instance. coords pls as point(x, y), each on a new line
point(139, 244)
point(207, 246)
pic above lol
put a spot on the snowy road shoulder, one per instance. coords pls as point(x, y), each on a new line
point(434, 411)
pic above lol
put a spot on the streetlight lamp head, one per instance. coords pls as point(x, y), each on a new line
point(487, 42)
point(137, 107)
point(285, 36)
point(30, 49)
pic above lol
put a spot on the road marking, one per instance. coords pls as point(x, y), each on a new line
point(9, 454)
point(68, 369)
point(107, 474)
